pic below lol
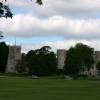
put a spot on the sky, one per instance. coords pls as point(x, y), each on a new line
point(57, 23)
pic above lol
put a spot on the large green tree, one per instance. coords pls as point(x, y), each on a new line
point(3, 56)
point(41, 61)
point(22, 64)
point(78, 58)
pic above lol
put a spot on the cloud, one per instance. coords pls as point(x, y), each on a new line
point(27, 25)
point(66, 44)
point(75, 20)
point(54, 45)
point(72, 8)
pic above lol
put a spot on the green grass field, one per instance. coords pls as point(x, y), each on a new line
point(48, 89)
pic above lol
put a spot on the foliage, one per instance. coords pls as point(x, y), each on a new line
point(78, 58)
point(6, 12)
point(98, 65)
point(4, 50)
point(40, 61)
point(21, 64)
point(39, 2)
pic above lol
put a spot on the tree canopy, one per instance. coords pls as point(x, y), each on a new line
point(98, 65)
point(5, 11)
point(40, 61)
point(4, 50)
point(78, 59)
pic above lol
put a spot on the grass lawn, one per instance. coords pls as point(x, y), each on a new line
point(13, 88)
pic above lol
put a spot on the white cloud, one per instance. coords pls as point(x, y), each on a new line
point(66, 44)
point(73, 19)
point(54, 45)
point(71, 8)
point(27, 25)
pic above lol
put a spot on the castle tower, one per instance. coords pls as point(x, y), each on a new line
point(13, 58)
point(61, 55)
point(96, 58)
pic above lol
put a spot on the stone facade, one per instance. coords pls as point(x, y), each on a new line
point(97, 56)
point(61, 56)
point(93, 71)
point(13, 58)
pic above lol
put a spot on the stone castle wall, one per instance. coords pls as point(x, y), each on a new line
point(97, 56)
point(61, 55)
point(13, 58)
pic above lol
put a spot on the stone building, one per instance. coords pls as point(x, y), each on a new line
point(13, 57)
point(93, 71)
point(61, 56)
point(97, 56)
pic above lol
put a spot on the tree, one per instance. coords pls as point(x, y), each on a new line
point(4, 50)
point(6, 12)
point(21, 64)
point(41, 61)
point(39, 2)
point(79, 58)
point(98, 65)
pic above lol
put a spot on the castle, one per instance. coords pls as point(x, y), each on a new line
point(61, 56)
point(15, 55)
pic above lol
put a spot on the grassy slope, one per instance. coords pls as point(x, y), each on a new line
point(48, 89)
